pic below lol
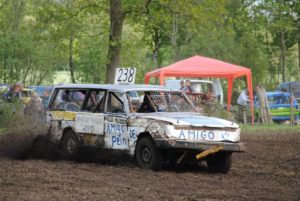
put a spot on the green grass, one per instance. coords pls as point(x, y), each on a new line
point(270, 128)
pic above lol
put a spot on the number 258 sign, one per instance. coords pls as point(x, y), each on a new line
point(125, 75)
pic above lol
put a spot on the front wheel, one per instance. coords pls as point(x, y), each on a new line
point(147, 155)
point(70, 145)
point(219, 162)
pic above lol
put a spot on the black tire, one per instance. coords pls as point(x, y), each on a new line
point(219, 162)
point(147, 155)
point(70, 145)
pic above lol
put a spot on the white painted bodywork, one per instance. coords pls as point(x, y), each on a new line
point(121, 131)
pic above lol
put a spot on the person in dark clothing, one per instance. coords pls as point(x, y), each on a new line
point(182, 85)
point(146, 105)
point(188, 88)
point(14, 93)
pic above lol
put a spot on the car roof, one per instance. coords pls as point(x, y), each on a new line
point(4, 85)
point(27, 89)
point(40, 86)
point(115, 87)
point(284, 83)
point(276, 93)
point(192, 81)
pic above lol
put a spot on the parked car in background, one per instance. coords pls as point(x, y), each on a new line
point(43, 92)
point(280, 108)
point(163, 127)
point(290, 87)
point(27, 94)
point(202, 87)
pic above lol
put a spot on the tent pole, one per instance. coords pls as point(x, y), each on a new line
point(229, 93)
point(250, 89)
point(161, 79)
point(147, 79)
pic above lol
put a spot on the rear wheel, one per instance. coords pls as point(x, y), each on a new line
point(147, 155)
point(220, 162)
point(70, 145)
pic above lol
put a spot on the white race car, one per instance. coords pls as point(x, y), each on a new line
point(160, 126)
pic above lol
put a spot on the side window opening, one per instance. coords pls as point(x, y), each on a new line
point(114, 103)
point(158, 101)
point(69, 100)
point(134, 100)
point(95, 101)
point(55, 101)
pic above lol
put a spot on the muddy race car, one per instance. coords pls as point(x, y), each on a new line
point(161, 126)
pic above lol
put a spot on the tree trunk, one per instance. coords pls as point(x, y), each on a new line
point(174, 36)
point(115, 35)
point(156, 40)
point(272, 68)
point(71, 61)
point(283, 56)
point(5, 69)
point(26, 73)
point(299, 50)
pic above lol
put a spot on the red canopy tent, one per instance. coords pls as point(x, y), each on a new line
point(198, 66)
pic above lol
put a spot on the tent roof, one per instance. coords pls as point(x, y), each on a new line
point(199, 66)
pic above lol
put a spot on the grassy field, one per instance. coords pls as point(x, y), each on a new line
point(273, 128)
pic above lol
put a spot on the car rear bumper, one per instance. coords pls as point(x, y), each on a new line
point(181, 144)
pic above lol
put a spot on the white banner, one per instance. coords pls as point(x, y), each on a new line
point(125, 75)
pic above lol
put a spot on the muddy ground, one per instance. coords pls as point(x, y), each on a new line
point(269, 170)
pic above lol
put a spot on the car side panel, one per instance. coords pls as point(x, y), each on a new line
point(58, 122)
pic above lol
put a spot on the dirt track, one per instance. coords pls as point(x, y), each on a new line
point(269, 170)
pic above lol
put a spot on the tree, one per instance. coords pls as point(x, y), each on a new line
point(279, 17)
point(115, 35)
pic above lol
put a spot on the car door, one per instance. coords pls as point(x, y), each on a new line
point(89, 123)
point(62, 114)
point(115, 121)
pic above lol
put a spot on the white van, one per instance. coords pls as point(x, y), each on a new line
point(201, 86)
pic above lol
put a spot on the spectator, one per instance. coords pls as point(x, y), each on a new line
point(243, 98)
point(146, 105)
point(66, 96)
point(14, 93)
point(188, 88)
point(182, 85)
point(210, 94)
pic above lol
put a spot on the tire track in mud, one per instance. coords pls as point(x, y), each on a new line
point(269, 170)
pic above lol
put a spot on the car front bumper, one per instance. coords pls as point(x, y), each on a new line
point(203, 145)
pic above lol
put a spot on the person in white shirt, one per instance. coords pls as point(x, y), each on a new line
point(243, 101)
point(243, 98)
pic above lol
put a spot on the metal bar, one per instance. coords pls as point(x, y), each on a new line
point(209, 151)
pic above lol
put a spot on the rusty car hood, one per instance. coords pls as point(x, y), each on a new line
point(190, 119)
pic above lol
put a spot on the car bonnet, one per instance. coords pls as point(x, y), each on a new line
point(191, 119)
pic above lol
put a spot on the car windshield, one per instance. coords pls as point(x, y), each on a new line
point(282, 99)
point(159, 101)
point(296, 90)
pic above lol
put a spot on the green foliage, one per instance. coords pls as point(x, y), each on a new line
point(35, 37)
point(11, 115)
point(217, 110)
